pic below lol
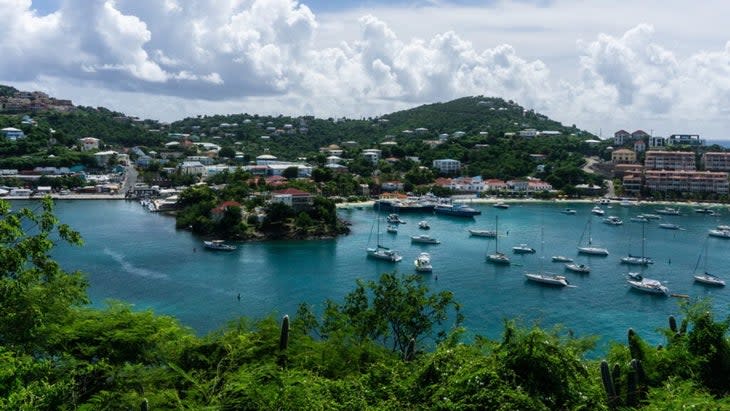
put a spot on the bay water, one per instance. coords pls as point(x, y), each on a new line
point(139, 257)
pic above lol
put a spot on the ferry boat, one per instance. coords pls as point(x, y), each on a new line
point(456, 210)
point(218, 245)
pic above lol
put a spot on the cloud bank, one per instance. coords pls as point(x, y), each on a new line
point(194, 56)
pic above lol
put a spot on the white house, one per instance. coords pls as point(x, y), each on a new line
point(12, 133)
point(459, 134)
point(528, 133)
point(447, 165)
point(103, 157)
point(89, 143)
point(372, 154)
point(192, 168)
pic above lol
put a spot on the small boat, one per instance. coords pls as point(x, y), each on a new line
point(392, 229)
point(483, 233)
point(668, 211)
point(612, 220)
point(549, 279)
point(719, 233)
point(640, 219)
point(669, 226)
point(562, 259)
point(578, 268)
point(423, 263)
point(423, 225)
point(705, 210)
point(456, 210)
point(218, 245)
point(569, 211)
point(501, 205)
point(424, 239)
point(723, 227)
point(597, 210)
point(394, 219)
point(652, 216)
point(648, 285)
point(709, 279)
point(635, 260)
point(523, 249)
point(497, 257)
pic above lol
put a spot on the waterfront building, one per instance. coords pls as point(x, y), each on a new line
point(447, 165)
point(297, 199)
point(686, 181)
point(716, 161)
point(623, 156)
point(632, 183)
point(669, 160)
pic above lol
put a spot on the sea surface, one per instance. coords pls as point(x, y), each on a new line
point(139, 257)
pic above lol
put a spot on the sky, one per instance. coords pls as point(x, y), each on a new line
point(662, 66)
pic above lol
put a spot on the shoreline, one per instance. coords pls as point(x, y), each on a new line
point(594, 200)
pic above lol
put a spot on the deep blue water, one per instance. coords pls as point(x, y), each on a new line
point(139, 257)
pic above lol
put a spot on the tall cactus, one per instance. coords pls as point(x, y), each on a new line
point(635, 345)
point(145, 405)
point(284, 336)
point(608, 385)
point(673, 324)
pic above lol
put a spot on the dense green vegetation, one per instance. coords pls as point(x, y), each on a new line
point(389, 344)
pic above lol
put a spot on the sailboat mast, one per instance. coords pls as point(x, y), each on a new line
point(496, 230)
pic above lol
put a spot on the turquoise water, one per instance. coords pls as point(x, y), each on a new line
point(139, 257)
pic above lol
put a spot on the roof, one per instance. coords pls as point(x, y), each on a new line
point(11, 129)
point(224, 205)
point(292, 192)
point(266, 157)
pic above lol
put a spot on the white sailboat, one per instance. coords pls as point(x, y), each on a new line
point(380, 252)
point(589, 248)
point(705, 277)
point(639, 260)
point(497, 257)
point(541, 276)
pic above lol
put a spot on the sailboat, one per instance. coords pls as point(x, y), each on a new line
point(639, 260)
point(589, 248)
point(381, 252)
point(541, 276)
point(706, 278)
point(497, 257)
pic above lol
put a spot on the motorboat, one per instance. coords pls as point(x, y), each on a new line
point(523, 249)
point(723, 227)
point(549, 279)
point(392, 229)
point(719, 233)
point(394, 219)
point(612, 220)
point(709, 279)
point(650, 216)
point(218, 245)
point(501, 205)
point(483, 233)
point(562, 259)
point(669, 226)
point(639, 219)
point(598, 211)
point(578, 268)
point(456, 210)
point(423, 225)
point(497, 257)
point(648, 285)
point(385, 254)
point(424, 239)
point(569, 211)
point(635, 260)
point(667, 211)
point(423, 263)
point(705, 210)
point(409, 205)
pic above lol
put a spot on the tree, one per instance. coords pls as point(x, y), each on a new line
point(37, 294)
point(227, 152)
point(290, 172)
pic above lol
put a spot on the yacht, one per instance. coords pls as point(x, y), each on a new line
point(569, 211)
point(640, 219)
point(501, 205)
point(383, 253)
point(612, 220)
point(392, 229)
point(394, 219)
point(423, 225)
point(562, 259)
point(424, 239)
point(648, 285)
point(423, 263)
point(483, 233)
point(652, 216)
point(719, 233)
point(668, 211)
point(578, 268)
point(669, 226)
point(724, 227)
point(218, 245)
point(523, 249)
point(597, 210)
point(635, 260)
point(456, 210)
point(705, 210)
point(549, 279)
point(709, 279)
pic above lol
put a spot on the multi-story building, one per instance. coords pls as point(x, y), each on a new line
point(632, 183)
point(669, 160)
point(685, 140)
point(620, 170)
point(657, 141)
point(686, 181)
point(623, 156)
point(716, 161)
point(372, 154)
point(447, 165)
point(620, 137)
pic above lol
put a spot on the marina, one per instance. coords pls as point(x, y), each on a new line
point(133, 255)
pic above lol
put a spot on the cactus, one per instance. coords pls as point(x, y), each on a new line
point(608, 385)
point(634, 380)
point(284, 337)
point(672, 324)
point(145, 405)
point(635, 345)
point(631, 390)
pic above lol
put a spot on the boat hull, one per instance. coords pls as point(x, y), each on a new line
point(709, 280)
point(593, 251)
point(499, 258)
point(384, 255)
point(553, 280)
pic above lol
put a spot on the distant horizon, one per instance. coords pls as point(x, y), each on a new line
point(601, 66)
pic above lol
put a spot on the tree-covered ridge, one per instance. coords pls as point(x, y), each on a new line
point(389, 344)
point(7, 91)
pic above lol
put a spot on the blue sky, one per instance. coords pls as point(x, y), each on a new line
point(603, 65)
